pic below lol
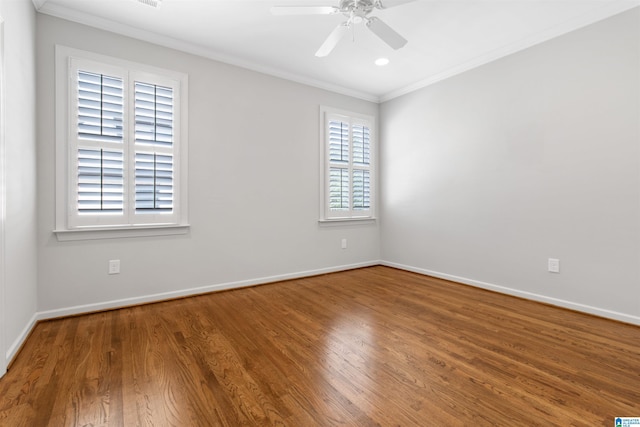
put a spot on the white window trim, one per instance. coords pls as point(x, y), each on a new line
point(325, 217)
point(63, 57)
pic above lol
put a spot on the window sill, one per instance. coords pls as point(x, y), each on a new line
point(347, 221)
point(120, 232)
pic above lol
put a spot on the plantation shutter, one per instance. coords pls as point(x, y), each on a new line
point(123, 156)
point(339, 197)
point(99, 148)
point(100, 107)
point(100, 181)
point(348, 167)
point(361, 164)
point(154, 144)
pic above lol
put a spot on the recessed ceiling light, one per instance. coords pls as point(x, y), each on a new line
point(380, 62)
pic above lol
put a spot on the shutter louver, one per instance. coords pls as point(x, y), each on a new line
point(100, 181)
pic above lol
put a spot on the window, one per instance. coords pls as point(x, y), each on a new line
point(121, 147)
point(347, 164)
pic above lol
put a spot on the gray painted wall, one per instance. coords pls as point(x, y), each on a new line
point(253, 186)
point(488, 174)
point(20, 143)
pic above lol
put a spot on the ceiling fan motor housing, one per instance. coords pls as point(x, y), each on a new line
point(357, 10)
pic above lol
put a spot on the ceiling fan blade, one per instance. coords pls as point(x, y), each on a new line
point(332, 40)
point(386, 33)
point(387, 4)
point(304, 10)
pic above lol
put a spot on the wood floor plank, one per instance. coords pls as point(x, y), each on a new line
point(369, 347)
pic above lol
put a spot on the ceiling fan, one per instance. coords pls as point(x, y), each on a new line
point(356, 11)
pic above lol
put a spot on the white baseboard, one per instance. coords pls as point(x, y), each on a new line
point(622, 317)
point(15, 347)
point(108, 305)
point(114, 304)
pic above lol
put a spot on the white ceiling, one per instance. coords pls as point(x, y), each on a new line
point(445, 36)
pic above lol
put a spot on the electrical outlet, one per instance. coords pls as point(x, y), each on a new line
point(554, 265)
point(114, 266)
point(344, 244)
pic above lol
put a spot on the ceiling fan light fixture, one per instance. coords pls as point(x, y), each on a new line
point(356, 12)
point(381, 62)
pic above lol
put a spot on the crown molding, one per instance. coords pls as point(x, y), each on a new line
point(608, 10)
point(58, 11)
point(38, 3)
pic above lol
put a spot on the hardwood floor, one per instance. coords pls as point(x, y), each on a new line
point(375, 346)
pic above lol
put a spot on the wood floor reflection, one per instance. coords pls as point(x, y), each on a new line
point(374, 346)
